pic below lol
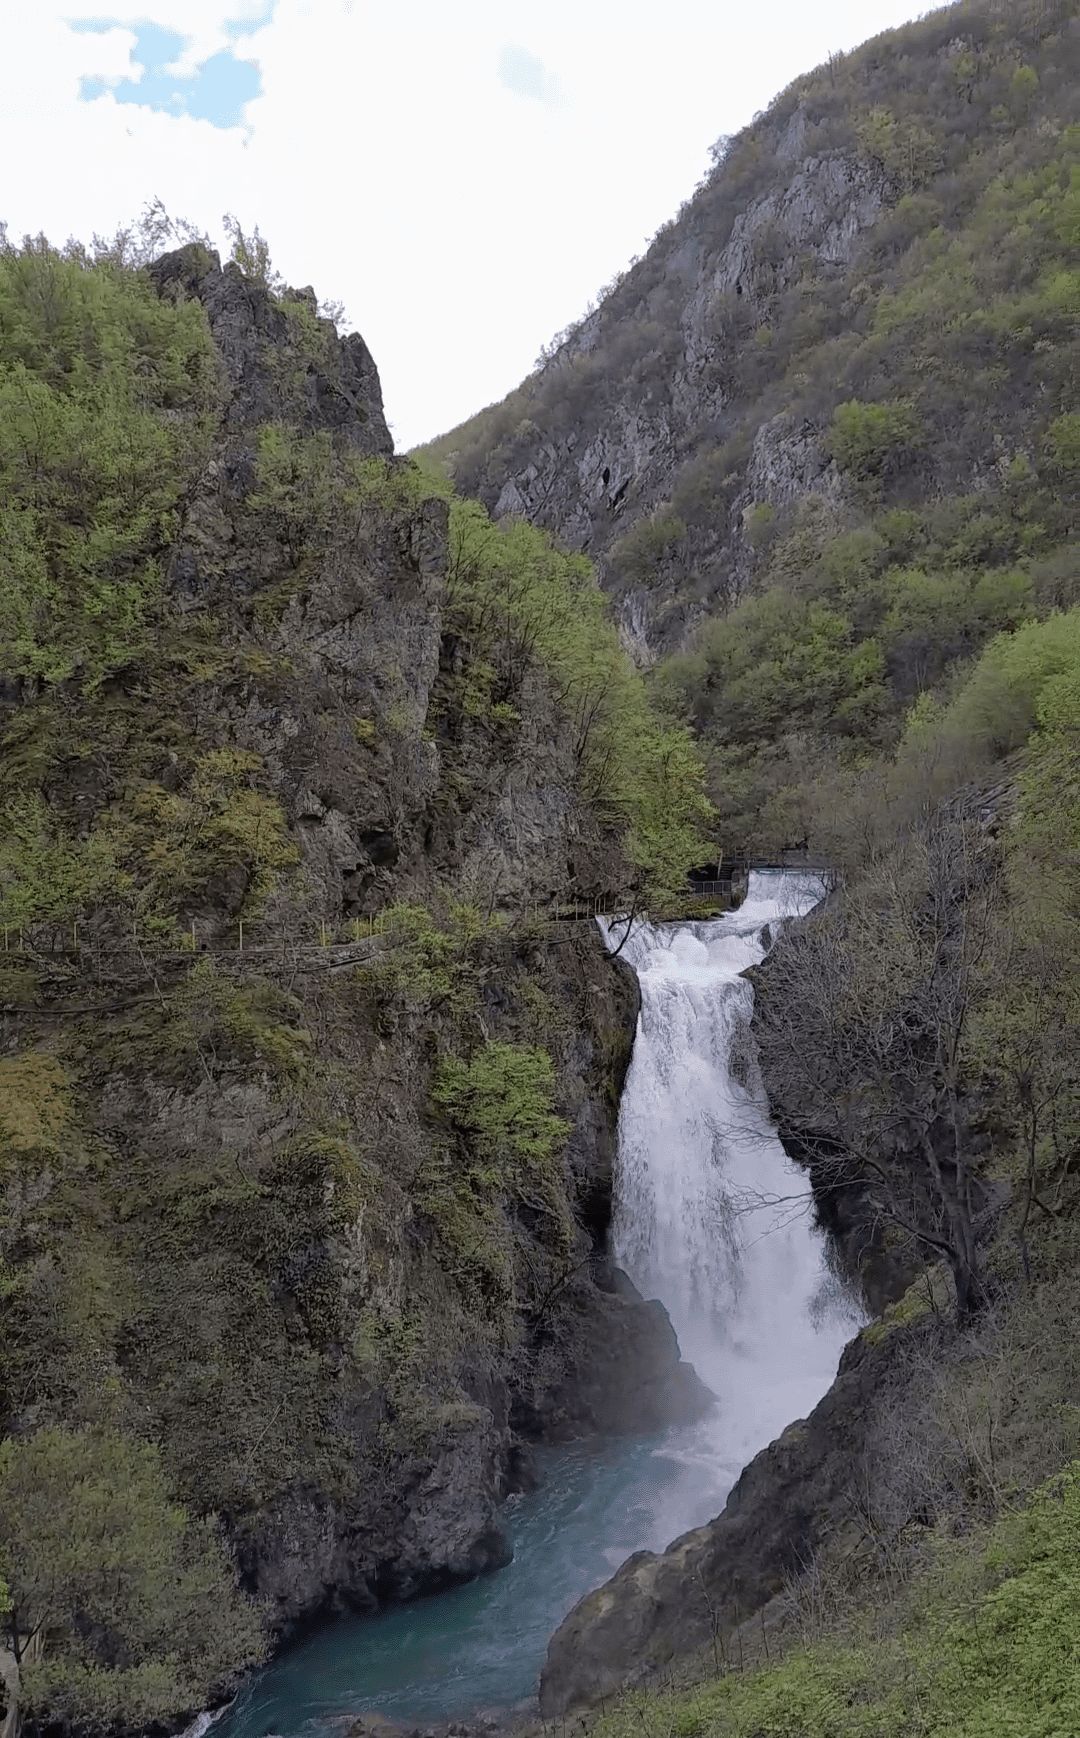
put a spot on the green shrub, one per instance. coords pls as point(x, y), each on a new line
point(865, 438)
point(501, 1101)
point(433, 959)
point(176, 842)
point(639, 556)
point(1062, 447)
point(48, 874)
point(35, 1106)
point(476, 1246)
point(213, 1025)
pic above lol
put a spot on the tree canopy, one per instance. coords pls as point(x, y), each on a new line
point(122, 1608)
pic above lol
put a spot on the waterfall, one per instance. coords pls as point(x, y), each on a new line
point(711, 1218)
point(710, 1214)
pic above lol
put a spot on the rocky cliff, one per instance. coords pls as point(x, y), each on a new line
point(676, 432)
point(308, 1121)
point(666, 1609)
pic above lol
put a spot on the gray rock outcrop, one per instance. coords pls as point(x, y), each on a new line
point(663, 1607)
point(611, 427)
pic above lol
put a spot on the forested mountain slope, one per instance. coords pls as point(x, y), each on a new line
point(823, 437)
point(897, 228)
point(824, 442)
point(306, 1114)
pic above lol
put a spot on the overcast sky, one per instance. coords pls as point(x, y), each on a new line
point(463, 177)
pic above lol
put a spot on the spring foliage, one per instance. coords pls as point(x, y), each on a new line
point(106, 396)
point(522, 602)
point(502, 1100)
point(132, 1603)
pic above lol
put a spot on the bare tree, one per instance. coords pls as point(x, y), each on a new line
point(863, 1029)
point(1023, 1044)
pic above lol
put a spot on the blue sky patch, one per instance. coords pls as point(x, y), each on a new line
point(216, 92)
point(526, 75)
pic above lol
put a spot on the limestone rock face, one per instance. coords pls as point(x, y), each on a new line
point(788, 461)
point(337, 386)
point(705, 381)
point(644, 386)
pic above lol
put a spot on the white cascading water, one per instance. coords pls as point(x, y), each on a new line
point(710, 1214)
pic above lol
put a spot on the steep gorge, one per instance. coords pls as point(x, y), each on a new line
point(309, 1092)
point(821, 442)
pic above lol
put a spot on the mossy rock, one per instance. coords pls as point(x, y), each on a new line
point(930, 1294)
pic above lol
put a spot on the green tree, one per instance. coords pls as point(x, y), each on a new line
point(997, 708)
point(865, 438)
point(1023, 89)
point(123, 1608)
point(1062, 446)
point(900, 146)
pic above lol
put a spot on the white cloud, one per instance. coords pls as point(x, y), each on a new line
point(108, 55)
point(389, 165)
